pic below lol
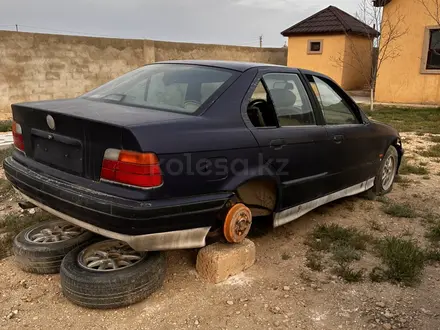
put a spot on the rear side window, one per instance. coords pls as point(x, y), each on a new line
point(174, 87)
point(290, 100)
point(259, 93)
point(280, 99)
point(260, 110)
point(334, 108)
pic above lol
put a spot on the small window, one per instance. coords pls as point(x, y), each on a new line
point(430, 63)
point(334, 108)
point(433, 56)
point(314, 47)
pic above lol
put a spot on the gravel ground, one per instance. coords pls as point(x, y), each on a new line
point(279, 291)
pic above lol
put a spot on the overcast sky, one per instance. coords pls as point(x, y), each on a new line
point(237, 22)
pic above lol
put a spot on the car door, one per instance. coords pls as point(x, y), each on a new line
point(284, 123)
point(353, 155)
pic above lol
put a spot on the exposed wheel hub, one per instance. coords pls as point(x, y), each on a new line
point(237, 224)
point(54, 233)
point(109, 255)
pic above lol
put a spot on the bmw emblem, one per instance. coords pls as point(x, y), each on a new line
point(50, 122)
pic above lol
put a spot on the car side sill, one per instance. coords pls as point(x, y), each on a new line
point(171, 240)
point(283, 217)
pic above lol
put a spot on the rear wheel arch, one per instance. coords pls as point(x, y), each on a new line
point(257, 186)
point(260, 194)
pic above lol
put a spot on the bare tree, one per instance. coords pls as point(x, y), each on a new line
point(432, 9)
point(380, 49)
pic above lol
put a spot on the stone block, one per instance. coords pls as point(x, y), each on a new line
point(52, 76)
point(216, 262)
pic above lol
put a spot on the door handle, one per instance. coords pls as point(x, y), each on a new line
point(277, 143)
point(338, 139)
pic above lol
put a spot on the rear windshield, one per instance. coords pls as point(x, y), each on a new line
point(174, 87)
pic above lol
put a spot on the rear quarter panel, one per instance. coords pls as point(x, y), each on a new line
point(199, 156)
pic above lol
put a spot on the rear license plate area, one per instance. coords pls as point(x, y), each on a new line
point(58, 151)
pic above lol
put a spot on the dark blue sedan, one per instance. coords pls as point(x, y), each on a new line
point(165, 154)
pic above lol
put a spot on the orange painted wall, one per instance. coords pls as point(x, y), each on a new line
point(333, 46)
point(358, 62)
point(337, 49)
point(400, 79)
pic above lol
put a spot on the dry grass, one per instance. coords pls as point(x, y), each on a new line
point(376, 226)
point(326, 237)
point(341, 246)
point(433, 234)
point(432, 152)
point(314, 261)
point(399, 210)
point(347, 273)
point(5, 187)
point(406, 168)
point(404, 260)
point(4, 153)
point(425, 120)
point(435, 139)
point(5, 125)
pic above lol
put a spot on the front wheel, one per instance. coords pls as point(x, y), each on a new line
point(384, 180)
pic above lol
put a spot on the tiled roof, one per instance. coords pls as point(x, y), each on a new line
point(331, 20)
point(381, 3)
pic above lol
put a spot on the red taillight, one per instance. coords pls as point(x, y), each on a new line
point(17, 134)
point(132, 168)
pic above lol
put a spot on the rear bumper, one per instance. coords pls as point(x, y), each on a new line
point(145, 225)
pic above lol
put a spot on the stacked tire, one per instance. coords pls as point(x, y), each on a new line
point(89, 286)
point(40, 249)
point(95, 272)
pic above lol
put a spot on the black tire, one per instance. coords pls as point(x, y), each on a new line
point(44, 258)
point(111, 289)
point(378, 189)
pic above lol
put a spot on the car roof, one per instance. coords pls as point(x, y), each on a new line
point(240, 66)
point(231, 65)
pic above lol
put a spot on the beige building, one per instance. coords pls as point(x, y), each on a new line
point(413, 75)
point(334, 43)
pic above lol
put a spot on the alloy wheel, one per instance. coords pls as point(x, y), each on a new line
point(109, 255)
point(388, 172)
point(54, 233)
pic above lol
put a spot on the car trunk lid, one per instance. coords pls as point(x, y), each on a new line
point(72, 135)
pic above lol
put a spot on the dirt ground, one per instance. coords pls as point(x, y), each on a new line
point(279, 291)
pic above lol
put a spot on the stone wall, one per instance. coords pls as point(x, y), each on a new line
point(174, 51)
point(41, 66)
